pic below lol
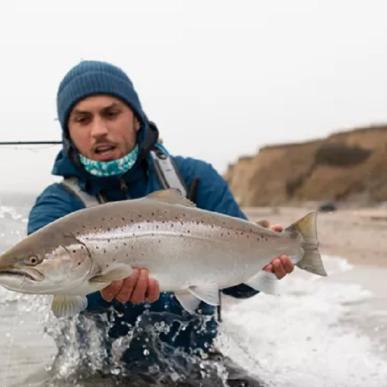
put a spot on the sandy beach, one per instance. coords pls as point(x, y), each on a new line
point(359, 235)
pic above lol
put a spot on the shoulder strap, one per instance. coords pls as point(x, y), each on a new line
point(166, 170)
point(71, 184)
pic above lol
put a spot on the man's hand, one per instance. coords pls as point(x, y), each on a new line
point(136, 288)
point(281, 265)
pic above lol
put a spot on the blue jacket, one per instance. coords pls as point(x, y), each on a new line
point(189, 332)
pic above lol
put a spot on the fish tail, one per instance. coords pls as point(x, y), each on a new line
point(311, 260)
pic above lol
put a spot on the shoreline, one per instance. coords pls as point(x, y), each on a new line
point(359, 235)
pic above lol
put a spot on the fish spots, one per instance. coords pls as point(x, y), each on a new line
point(104, 251)
point(139, 216)
point(123, 219)
point(125, 244)
point(74, 251)
point(79, 263)
point(153, 214)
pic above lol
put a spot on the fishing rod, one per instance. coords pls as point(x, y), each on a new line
point(31, 142)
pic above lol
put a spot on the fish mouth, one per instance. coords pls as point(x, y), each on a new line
point(30, 274)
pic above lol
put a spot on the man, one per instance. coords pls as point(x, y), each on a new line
point(108, 144)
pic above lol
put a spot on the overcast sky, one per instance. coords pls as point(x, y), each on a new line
point(220, 78)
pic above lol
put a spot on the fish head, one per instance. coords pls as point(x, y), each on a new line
point(44, 272)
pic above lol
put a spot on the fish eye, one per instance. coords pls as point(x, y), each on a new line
point(32, 260)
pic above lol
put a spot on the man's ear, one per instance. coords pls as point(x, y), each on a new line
point(136, 124)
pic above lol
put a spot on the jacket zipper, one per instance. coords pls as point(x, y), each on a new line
point(124, 188)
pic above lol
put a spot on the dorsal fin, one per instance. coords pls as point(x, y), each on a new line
point(171, 196)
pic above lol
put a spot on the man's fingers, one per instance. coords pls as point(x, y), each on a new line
point(264, 223)
point(141, 287)
point(276, 227)
point(278, 268)
point(268, 267)
point(153, 292)
point(287, 264)
point(128, 286)
point(111, 291)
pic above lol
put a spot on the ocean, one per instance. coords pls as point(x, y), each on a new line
point(320, 332)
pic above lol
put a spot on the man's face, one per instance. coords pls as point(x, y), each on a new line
point(103, 128)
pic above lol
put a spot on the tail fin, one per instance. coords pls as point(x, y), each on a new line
point(311, 260)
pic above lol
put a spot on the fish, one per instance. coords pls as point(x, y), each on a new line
point(190, 251)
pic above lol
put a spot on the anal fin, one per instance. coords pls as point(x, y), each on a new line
point(264, 281)
point(187, 301)
point(208, 294)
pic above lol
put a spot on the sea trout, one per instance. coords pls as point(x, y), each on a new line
point(190, 251)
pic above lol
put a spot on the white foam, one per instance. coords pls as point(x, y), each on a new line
point(303, 338)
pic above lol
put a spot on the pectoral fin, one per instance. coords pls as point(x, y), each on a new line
point(113, 274)
point(264, 281)
point(66, 306)
point(209, 294)
point(187, 301)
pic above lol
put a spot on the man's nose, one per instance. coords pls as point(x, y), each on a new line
point(99, 127)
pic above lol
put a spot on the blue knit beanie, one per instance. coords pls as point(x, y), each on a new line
point(92, 78)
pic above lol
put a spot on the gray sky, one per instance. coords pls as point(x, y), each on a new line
point(221, 78)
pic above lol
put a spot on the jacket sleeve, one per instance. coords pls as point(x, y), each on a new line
point(53, 203)
point(213, 194)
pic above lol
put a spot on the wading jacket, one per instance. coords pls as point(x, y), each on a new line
point(189, 332)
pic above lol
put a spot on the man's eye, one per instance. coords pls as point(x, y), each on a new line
point(112, 113)
point(81, 120)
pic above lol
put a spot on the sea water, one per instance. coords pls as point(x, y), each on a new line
point(321, 332)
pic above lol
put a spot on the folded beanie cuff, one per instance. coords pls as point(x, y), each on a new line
point(95, 81)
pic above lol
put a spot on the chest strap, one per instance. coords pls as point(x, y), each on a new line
point(166, 170)
point(71, 184)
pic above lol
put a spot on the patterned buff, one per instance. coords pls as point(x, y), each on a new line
point(110, 168)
